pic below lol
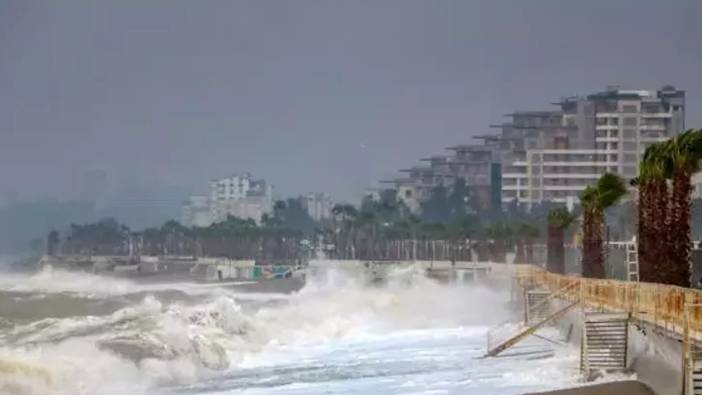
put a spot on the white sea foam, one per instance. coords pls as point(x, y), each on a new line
point(335, 317)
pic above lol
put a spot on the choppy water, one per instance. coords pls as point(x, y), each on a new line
point(76, 333)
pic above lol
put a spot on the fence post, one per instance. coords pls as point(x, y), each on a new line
point(686, 353)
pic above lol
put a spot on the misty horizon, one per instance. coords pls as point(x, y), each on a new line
point(310, 96)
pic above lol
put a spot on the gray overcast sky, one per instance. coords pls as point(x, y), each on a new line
point(311, 95)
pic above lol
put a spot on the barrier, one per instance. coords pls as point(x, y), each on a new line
point(669, 307)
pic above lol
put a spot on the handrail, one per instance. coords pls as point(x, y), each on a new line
point(657, 304)
point(506, 329)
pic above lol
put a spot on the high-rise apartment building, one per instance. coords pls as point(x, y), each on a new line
point(552, 156)
point(606, 132)
point(239, 195)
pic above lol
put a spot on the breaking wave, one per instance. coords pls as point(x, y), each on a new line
point(77, 333)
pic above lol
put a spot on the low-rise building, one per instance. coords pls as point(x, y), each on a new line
point(196, 212)
point(317, 204)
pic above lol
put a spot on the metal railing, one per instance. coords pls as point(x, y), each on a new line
point(506, 330)
point(661, 305)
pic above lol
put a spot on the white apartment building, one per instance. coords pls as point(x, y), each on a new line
point(318, 205)
point(196, 212)
point(241, 196)
point(617, 124)
point(250, 207)
point(238, 195)
point(633, 120)
point(230, 188)
point(555, 175)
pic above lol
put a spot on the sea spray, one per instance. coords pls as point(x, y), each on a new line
point(156, 337)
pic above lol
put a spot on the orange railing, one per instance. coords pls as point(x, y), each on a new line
point(661, 305)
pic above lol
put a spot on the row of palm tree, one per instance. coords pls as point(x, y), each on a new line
point(664, 227)
point(386, 229)
point(234, 238)
point(664, 238)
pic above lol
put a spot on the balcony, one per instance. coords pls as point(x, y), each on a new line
point(653, 126)
point(606, 127)
point(587, 176)
point(657, 115)
point(564, 187)
point(612, 114)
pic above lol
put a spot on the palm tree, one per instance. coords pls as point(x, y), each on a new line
point(608, 190)
point(500, 236)
point(345, 216)
point(683, 154)
point(558, 221)
point(652, 246)
point(525, 235)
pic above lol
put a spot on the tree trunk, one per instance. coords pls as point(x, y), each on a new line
point(679, 232)
point(529, 251)
point(521, 254)
point(593, 252)
point(643, 245)
point(555, 258)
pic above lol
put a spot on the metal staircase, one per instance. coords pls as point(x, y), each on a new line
point(696, 378)
point(540, 310)
point(604, 342)
point(537, 306)
point(496, 348)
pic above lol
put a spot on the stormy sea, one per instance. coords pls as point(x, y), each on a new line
point(74, 333)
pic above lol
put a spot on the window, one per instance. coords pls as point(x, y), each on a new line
point(614, 121)
point(630, 121)
point(629, 108)
point(629, 134)
point(630, 158)
point(629, 146)
point(614, 133)
point(629, 170)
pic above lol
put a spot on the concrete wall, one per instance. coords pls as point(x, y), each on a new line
point(654, 357)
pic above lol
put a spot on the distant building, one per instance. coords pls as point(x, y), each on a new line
point(238, 195)
point(318, 205)
point(603, 132)
point(241, 196)
point(196, 212)
point(625, 122)
point(245, 208)
point(553, 155)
